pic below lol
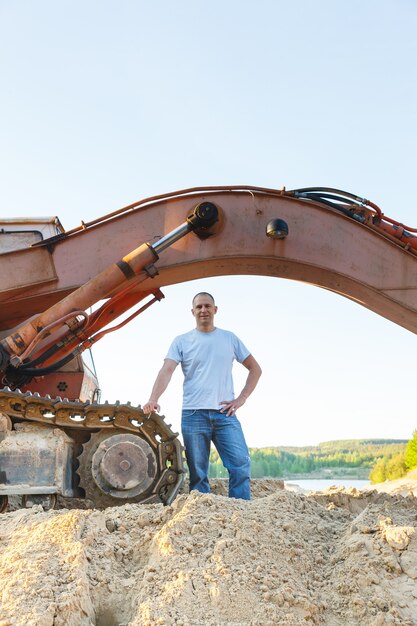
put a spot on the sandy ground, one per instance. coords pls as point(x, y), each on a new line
point(342, 557)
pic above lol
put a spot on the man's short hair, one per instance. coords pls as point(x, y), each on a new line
point(203, 293)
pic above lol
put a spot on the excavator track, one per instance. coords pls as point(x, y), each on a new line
point(129, 456)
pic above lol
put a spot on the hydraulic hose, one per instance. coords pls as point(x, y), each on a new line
point(42, 357)
point(331, 190)
point(326, 198)
point(325, 195)
point(42, 371)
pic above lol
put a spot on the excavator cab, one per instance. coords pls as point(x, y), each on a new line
point(77, 379)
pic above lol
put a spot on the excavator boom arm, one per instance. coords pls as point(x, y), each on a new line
point(351, 249)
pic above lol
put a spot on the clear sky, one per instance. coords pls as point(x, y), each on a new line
point(103, 103)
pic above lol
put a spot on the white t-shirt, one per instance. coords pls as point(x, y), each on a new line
point(206, 359)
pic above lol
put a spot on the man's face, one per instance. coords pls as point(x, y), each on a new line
point(204, 311)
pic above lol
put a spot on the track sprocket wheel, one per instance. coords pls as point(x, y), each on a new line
point(116, 468)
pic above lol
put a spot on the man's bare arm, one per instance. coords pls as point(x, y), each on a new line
point(160, 384)
point(230, 407)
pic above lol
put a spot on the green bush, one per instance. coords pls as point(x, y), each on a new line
point(396, 467)
point(411, 452)
point(379, 472)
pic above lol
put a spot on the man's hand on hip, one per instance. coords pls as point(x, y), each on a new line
point(230, 407)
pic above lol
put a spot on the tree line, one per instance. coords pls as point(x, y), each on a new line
point(354, 457)
point(396, 465)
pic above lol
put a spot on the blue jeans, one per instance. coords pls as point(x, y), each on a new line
point(199, 429)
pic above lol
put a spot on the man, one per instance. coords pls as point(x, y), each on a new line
point(206, 355)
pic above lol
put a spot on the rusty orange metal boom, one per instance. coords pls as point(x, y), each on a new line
point(337, 241)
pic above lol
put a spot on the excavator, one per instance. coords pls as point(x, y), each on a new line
point(61, 291)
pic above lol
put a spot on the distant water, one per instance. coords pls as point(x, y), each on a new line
point(319, 485)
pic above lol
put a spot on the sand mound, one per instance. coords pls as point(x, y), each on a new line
point(281, 559)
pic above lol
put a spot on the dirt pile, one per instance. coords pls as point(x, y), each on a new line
point(282, 559)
